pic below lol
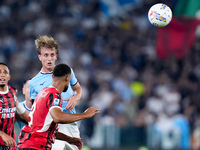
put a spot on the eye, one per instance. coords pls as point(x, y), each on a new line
point(52, 55)
point(5, 72)
point(45, 55)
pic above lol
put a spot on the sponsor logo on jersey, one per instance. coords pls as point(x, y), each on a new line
point(8, 112)
point(43, 94)
point(42, 83)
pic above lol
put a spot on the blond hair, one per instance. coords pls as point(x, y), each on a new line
point(46, 41)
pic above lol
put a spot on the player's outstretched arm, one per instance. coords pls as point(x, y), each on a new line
point(21, 112)
point(70, 140)
point(10, 142)
point(62, 117)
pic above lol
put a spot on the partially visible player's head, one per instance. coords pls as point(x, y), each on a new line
point(62, 71)
point(4, 75)
point(25, 90)
point(46, 41)
point(47, 49)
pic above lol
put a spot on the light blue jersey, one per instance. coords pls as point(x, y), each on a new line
point(42, 80)
point(19, 123)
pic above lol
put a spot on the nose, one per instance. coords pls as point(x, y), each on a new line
point(2, 74)
point(49, 57)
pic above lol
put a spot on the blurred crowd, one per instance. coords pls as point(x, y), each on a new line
point(114, 59)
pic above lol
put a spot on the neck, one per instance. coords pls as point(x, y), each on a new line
point(58, 85)
point(46, 70)
point(3, 88)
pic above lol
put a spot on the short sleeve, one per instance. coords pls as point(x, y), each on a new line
point(55, 100)
point(73, 80)
point(33, 93)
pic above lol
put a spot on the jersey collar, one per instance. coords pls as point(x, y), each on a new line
point(4, 92)
point(53, 87)
point(45, 73)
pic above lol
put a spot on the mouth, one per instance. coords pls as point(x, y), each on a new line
point(49, 64)
point(2, 80)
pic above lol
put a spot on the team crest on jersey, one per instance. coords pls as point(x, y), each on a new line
point(56, 101)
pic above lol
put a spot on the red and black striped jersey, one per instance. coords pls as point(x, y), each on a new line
point(40, 131)
point(7, 112)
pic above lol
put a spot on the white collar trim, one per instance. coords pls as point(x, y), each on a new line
point(53, 87)
point(4, 92)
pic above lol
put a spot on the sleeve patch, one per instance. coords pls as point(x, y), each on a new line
point(56, 102)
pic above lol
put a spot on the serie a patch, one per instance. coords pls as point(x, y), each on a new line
point(56, 101)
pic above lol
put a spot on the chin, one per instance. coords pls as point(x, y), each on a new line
point(2, 85)
point(50, 68)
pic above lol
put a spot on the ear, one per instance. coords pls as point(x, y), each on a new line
point(9, 77)
point(67, 78)
point(23, 90)
point(39, 57)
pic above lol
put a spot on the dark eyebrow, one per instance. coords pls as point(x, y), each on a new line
point(4, 70)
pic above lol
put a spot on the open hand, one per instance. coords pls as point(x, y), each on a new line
point(91, 111)
point(71, 103)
